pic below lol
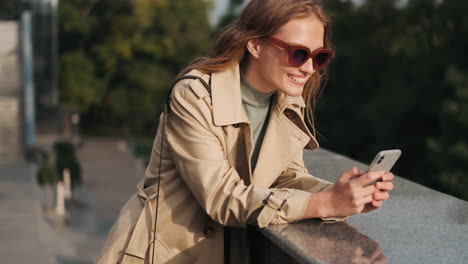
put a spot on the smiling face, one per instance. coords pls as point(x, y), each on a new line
point(267, 68)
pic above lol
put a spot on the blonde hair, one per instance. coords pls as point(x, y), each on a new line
point(261, 19)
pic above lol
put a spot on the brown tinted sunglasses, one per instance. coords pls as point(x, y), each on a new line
point(298, 55)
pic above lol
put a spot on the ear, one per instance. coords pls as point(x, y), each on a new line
point(253, 46)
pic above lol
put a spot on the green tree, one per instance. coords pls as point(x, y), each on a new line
point(398, 81)
point(7, 9)
point(118, 58)
point(449, 149)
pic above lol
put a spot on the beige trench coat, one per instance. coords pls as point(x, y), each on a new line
point(206, 181)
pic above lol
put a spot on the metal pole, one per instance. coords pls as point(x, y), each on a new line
point(28, 80)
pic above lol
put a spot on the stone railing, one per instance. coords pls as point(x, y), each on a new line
point(417, 225)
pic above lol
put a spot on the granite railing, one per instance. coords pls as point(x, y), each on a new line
point(416, 225)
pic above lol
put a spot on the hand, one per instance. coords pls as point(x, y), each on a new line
point(349, 195)
point(383, 187)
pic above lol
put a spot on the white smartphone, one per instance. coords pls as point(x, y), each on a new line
point(384, 160)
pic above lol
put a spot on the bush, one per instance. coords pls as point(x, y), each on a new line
point(46, 174)
point(65, 158)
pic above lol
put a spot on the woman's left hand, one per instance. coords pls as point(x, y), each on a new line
point(383, 187)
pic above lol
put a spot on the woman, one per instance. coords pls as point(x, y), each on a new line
point(231, 153)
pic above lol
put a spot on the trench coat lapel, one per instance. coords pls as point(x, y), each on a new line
point(283, 139)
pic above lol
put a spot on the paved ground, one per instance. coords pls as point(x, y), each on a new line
point(31, 232)
point(22, 226)
point(110, 174)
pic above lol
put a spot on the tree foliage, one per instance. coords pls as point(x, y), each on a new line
point(118, 58)
point(7, 9)
point(399, 80)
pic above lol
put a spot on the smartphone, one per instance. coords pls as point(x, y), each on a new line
point(384, 160)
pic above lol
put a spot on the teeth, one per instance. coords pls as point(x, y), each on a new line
point(298, 79)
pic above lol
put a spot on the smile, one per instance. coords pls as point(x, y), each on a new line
point(296, 79)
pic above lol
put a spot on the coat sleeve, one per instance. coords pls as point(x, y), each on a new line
point(200, 159)
point(296, 176)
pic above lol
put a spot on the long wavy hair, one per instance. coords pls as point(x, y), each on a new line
point(261, 19)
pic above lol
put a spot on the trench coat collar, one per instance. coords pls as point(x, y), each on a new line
point(227, 98)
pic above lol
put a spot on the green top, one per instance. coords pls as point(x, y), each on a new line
point(257, 106)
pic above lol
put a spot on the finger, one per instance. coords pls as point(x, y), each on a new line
point(359, 260)
point(381, 196)
point(361, 172)
point(381, 259)
point(388, 177)
point(357, 256)
point(347, 175)
point(365, 200)
point(358, 251)
point(387, 186)
point(376, 254)
point(368, 190)
point(377, 204)
point(369, 177)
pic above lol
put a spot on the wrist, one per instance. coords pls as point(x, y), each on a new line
point(319, 205)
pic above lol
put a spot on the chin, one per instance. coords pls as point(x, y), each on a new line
point(293, 90)
point(293, 94)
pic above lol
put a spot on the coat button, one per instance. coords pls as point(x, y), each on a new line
point(209, 232)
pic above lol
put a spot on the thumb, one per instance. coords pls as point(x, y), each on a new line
point(349, 174)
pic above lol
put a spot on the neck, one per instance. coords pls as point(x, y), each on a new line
point(253, 77)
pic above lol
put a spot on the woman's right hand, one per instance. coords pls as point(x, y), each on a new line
point(349, 195)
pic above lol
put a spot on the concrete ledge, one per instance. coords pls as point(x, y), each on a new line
point(417, 225)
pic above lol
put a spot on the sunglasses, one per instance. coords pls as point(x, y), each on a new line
point(298, 55)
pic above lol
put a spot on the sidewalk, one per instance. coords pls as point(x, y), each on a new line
point(31, 233)
point(22, 228)
point(110, 174)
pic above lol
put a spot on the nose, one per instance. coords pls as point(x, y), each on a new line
point(307, 67)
